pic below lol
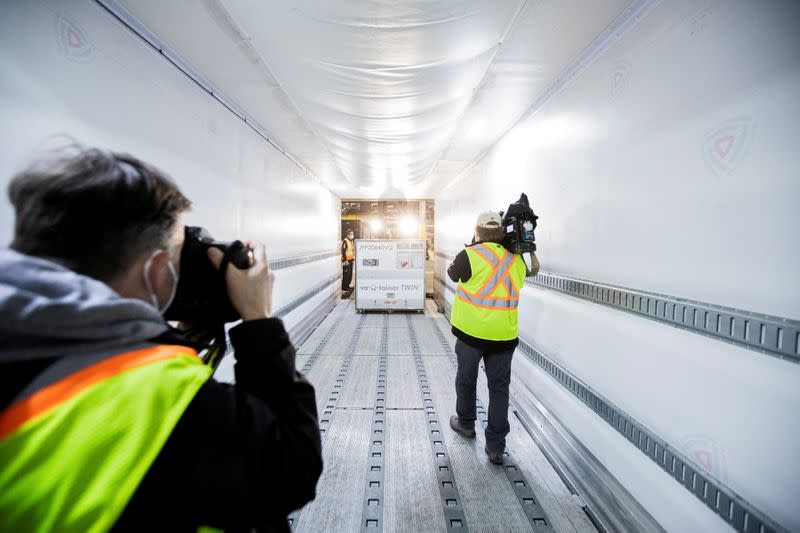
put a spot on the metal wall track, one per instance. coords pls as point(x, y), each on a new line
point(522, 488)
point(448, 488)
point(279, 264)
point(322, 343)
point(607, 503)
point(768, 334)
point(303, 329)
point(300, 300)
point(772, 335)
point(731, 507)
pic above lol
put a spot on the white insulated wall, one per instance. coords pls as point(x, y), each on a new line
point(68, 68)
point(669, 164)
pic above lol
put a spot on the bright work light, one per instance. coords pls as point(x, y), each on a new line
point(408, 226)
point(376, 225)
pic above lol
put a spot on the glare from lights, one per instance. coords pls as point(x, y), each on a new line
point(376, 225)
point(408, 226)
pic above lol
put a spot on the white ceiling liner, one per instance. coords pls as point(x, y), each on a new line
point(382, 83)
point(546, 37)
point(204, 35)
point(380, 98)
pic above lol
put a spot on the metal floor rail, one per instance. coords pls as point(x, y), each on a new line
point(385, 393)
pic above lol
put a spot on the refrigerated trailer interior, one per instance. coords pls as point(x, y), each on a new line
point(657, 381)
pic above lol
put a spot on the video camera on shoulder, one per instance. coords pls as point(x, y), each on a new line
point(519, 222)
point(202, 297)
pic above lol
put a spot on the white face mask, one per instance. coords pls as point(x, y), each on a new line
point(151, 292)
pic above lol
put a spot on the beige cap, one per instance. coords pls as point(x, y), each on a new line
point(489, 219)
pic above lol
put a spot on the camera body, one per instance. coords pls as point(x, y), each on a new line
point(202, 297)
point(519, 223)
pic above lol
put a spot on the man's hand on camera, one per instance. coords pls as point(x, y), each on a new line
point(534, 268)
point(249, 290)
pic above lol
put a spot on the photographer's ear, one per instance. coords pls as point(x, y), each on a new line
point(161, 279)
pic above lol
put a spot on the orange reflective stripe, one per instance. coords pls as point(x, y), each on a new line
point(477, 249)
point(505, 274)
point(491, 251)
point(511, 278)
point(494, 271)
point(508, 283)
point(492, 307)
point(497, 276)
point(512, 298)
point(52, 396)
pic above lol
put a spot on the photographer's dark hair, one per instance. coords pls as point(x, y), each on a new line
point(92, 210)
point(490, 234)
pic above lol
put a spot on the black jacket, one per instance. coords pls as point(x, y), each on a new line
point(241, 457)
point(461, 271)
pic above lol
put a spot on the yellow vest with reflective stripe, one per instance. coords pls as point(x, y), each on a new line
point(73, 453)
point(350, 250)
point(485, 306)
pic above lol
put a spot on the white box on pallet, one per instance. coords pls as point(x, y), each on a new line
point(390, 274)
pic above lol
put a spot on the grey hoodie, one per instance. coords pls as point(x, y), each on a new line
point(47, 310)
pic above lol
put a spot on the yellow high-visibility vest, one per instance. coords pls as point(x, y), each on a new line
point(485, 306)
point(73, 452)
point(350, 250)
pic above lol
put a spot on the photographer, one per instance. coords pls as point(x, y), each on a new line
point(484, 320)
point(108, 419)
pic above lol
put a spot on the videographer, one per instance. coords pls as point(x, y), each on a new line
point(484, 320)
point(108, 419)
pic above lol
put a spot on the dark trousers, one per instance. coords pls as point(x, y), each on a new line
point(347, 275)
point(498, 376)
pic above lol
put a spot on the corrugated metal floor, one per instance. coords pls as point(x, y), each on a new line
point(385, 393)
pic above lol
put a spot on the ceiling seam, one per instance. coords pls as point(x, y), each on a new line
point(477, 88)
point(137, 28)
point(264, 63)
point(626, 20)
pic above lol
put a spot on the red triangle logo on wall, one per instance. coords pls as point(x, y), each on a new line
point(726, 146)
point(73, 41)
point(706, 455)
point(619, 77)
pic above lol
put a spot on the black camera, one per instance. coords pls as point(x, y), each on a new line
point(519, 222)
point(202, 296)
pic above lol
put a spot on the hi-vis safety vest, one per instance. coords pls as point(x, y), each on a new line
point(485, 306)
point(74, 449)
point(350, 250)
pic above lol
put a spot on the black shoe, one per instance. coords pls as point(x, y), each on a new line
point(494, 458)
point(461, 430)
